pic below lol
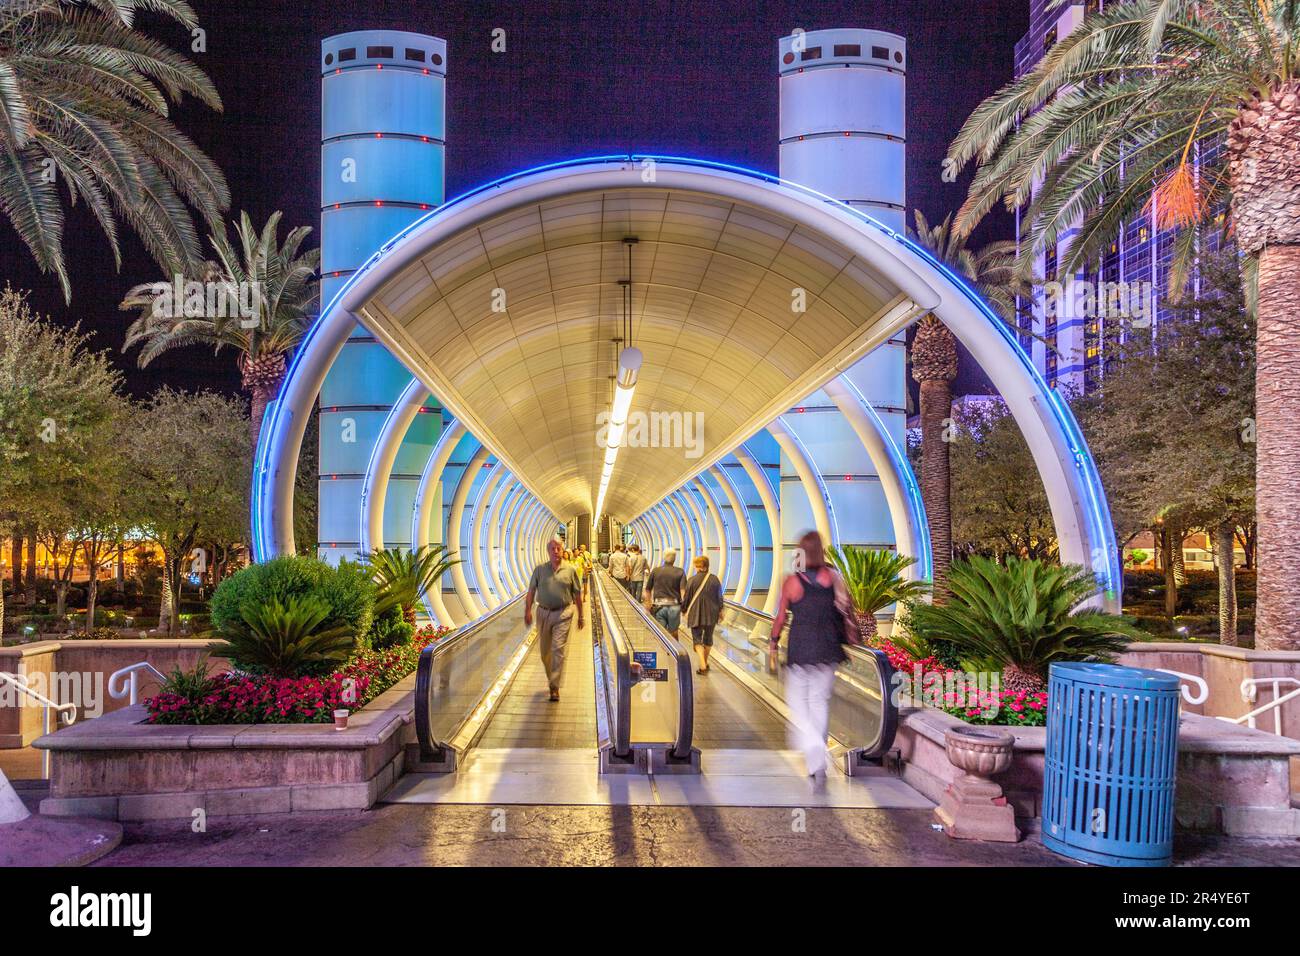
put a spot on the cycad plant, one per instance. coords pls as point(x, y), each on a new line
point(283, 285)
point(874, 579)
point(85, 100)
point(934, 357)
point(404, 574)
point(1199, 99)
point(285, 638)
point(1020, 618)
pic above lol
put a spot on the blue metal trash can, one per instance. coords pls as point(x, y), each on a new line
point(1111, 760)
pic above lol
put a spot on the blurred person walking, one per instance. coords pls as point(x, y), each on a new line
point(817, 603)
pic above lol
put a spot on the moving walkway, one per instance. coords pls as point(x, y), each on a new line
point(631, 694)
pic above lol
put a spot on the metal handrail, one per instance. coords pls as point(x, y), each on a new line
point(619, 709)
point(126, 681)
point(1250, 693)
point(875, 658)
point(1200, 683)
point(432, 750)
point(19, 681)
point(685, 675)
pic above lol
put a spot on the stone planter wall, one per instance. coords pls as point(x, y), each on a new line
point(1223, 669)
point(1231, 780)
point(77, 671)
point(118, 768)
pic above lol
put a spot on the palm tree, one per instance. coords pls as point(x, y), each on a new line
point(403, 575)
point(84, 102)
point(285, 287)
point(1021, 618)
point(1179, 109)
point(874, 579)
point(934, 366)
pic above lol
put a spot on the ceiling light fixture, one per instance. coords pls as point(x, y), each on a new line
point(629, 366)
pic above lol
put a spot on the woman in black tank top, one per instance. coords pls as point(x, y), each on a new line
point(813, 652)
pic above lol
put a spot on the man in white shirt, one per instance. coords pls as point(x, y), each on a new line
point(618, 565)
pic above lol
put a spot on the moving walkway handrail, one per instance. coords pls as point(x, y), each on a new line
point(869, 656)
point(685, 674)
point(619, 710)
point(433, 750)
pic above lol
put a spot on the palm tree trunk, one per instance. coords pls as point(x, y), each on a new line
point(1224, 537)
point(1277, 452)
point(261, 398)
point(936, 483)
point(167, 603)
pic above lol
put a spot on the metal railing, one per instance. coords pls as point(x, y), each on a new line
point(68, 711)
point(126, 681)
point(460, 679)
point(864, 711)
point(613, 664)
point(1184, 680)
point(629, 616)
point(1250, 693)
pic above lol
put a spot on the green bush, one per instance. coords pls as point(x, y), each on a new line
point(345, 594)
point(390, 629)
point(347, 590)
point(287, 638)
point(1020, 618)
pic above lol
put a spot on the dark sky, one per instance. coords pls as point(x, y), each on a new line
point(578, 78)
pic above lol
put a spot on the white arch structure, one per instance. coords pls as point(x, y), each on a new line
point(894, 270)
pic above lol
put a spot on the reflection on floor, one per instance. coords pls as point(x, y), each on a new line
point(743, 778)
point(526, 718)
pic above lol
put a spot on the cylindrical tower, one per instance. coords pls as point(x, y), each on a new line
point(843, 133)
point(843, 119)
point(382, 167)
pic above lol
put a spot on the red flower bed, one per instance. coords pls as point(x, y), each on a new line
point(256, 699)
point(1005, 708)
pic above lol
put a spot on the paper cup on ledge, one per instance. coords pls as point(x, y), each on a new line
point(341, 719)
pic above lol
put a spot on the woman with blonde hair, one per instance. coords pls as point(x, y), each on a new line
point(821, 622)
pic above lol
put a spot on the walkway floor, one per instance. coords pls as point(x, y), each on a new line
point(611, 836)
point(526, 717)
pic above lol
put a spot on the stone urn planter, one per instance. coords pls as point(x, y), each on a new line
point(973, 807)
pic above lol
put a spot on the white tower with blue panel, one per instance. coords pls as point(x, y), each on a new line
point(383, 129)
point(843, 132)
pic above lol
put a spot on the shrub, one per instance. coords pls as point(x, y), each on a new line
point(874, 579)
point(346, 590)
point(287, 639)
point(1021, 617)
point(390, 628)
point(193, 698)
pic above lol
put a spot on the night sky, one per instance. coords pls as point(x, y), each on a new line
point(694, 78)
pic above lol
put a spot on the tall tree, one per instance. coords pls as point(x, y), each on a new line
point(934, 359)
point(191, 478)
point(1145, 92)
point(85, 99)
point(56, 398)
point(278, 280)
point(1182, 454)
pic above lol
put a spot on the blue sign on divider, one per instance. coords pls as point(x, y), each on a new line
point(646, 659)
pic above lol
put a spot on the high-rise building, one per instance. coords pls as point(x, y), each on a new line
point(1069, 344)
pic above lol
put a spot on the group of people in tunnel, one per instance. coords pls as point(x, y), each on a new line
point(814, 602)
